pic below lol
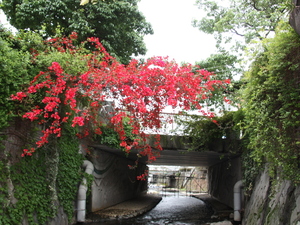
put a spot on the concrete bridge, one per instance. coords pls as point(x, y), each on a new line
point(115, 181)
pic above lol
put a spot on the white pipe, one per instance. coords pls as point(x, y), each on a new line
point(237, 201)
point(81, 198)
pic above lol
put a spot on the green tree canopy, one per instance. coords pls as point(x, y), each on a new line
point(119, 24)
point(222, 64)
point(225, 66)
point(250, 19)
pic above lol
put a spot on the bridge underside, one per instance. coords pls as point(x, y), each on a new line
point(176, 152)
point(111, 166)
point(189, 158)
point(174, 157)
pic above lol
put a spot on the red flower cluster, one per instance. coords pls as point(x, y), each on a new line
point(19, 96)
point(143, 176)
point(141, 92)
point(78, 120)
point(27, 152)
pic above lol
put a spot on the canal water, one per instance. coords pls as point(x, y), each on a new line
point(175, 210)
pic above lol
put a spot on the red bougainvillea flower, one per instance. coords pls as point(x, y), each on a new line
point(78, 121)
point(19, 96)
point(139, 91)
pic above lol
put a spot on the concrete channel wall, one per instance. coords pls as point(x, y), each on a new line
point(222, 177)
point(114, 182)
point(295, 16)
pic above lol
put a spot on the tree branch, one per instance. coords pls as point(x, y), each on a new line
point(237, 33)
point(253, 4)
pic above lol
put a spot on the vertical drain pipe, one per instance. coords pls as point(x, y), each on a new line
point(81, 198)
point(237, 201)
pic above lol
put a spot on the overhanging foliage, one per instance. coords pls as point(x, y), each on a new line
point(272, 108)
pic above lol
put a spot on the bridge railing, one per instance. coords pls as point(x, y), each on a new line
point(170, 119)
point(171, 124)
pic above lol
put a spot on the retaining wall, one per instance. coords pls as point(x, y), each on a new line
point(273, 203)
point(114, 181)
point(222, 178)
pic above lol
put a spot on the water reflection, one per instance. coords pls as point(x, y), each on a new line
point(177, 210)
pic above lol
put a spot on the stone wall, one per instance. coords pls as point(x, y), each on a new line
point(295, 17)
point(114, 181)
point(222, 178)
point(61, 218)
point(273, 204)
point(18, 134)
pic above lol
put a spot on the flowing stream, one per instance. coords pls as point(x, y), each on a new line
point(175, 210)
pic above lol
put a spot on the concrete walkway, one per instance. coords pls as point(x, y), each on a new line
point(127, 209)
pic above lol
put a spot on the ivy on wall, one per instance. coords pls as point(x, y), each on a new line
point(33, 179)
point(69, 174)
point(33, 188)
point(272, 104)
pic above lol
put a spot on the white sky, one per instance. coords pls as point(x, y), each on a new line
point(174, 35)
point(3, 18)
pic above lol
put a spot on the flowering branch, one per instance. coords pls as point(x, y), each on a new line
point(140, 91)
